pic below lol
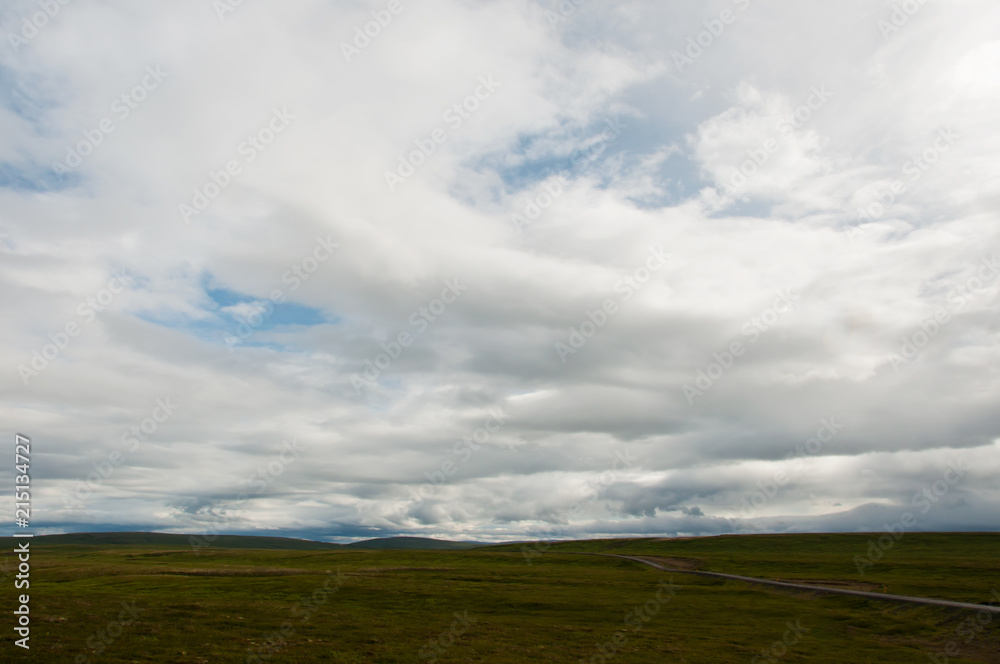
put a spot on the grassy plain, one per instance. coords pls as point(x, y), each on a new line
point(489, 605)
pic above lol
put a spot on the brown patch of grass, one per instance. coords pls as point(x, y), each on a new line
point(402, 569)
point(224, 571)
point(690, 564)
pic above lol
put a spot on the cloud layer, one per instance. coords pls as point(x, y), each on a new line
point(507, 269)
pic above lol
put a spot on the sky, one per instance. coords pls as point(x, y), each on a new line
point(502, 269)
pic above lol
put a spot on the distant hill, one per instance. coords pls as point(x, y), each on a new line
point(240, 542)
point(411, 543)
point(179, 541)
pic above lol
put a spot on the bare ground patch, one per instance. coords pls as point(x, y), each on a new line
point(689, 564)
point(377, 570)
point(240, 571)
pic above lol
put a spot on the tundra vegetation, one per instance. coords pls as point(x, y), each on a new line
point(144, 598)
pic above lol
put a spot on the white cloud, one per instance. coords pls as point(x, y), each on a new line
point(863, 285)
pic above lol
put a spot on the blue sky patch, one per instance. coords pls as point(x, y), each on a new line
point(35, 178)
point(283, 313)
point(238, 316)
point(24, 100)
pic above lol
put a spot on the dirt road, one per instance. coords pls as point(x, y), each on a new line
point(881, 597)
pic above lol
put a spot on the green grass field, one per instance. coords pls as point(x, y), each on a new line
point(956, 566)
point(489, 605)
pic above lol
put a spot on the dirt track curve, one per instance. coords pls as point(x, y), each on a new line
point(881, 597)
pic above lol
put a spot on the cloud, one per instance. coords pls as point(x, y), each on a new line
point(867, 199)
